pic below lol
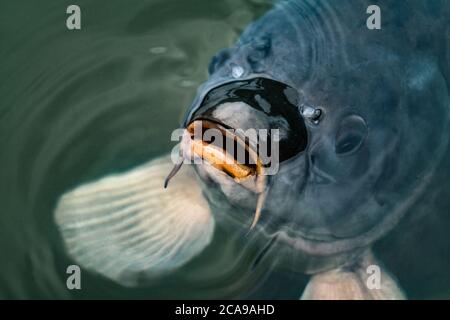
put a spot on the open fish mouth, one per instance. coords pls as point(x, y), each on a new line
point(230, 153)
point(217, 135)
point(224, 149)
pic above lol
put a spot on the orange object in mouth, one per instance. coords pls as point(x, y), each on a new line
point(217, 152)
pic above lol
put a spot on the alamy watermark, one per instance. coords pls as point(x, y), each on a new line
point(73, 281)
point(374, 20)
point(373, 281)
point(251, 147)
point(73, 22)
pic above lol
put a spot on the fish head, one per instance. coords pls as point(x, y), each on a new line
point(359, 133)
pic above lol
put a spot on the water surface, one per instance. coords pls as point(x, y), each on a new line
point(77, 105)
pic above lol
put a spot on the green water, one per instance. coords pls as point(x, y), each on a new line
point(77, 105)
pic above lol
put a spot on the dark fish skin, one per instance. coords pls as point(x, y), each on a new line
point(383, 138)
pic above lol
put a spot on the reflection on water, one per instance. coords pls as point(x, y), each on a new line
point(77, 105)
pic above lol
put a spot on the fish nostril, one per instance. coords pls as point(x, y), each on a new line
point(257, 53)
point(259, 50)
point(218, 60)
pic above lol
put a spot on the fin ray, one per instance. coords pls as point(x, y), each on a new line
point(128, 227)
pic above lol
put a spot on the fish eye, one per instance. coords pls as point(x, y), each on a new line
point(350, 135)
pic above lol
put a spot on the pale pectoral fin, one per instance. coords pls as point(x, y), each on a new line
point(366, 280)
point(128, 227)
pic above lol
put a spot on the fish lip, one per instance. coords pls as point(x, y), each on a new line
point(209, 86)
point(221, 125)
